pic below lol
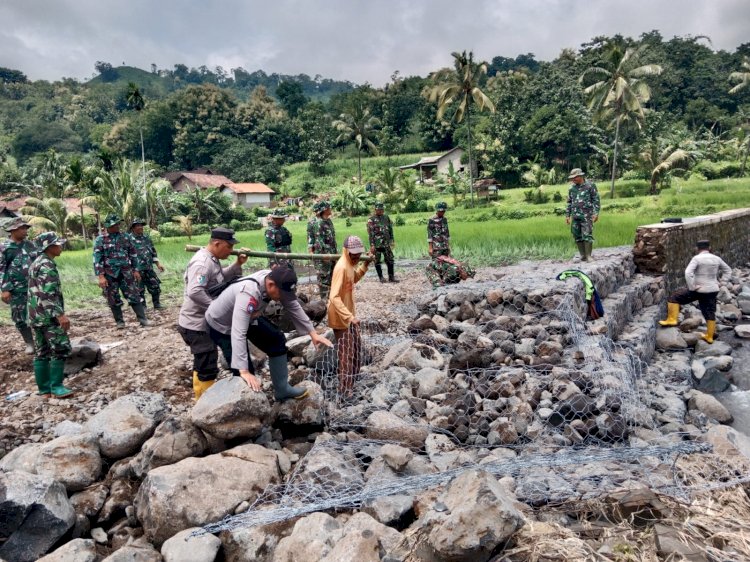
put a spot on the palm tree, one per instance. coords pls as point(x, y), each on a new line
point(49, 213)
point(353, 199)
point(617, 91)
point(204, 204)
point(135, 101)
point(80, 179)
point(461, 84)
point(665, 160)
point(358, 126)
point(741, 76)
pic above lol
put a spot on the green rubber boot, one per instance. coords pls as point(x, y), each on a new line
point(41, 375)
point(56, 375)
point(282, 390)
point(582, 250)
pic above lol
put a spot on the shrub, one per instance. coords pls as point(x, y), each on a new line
point(718, 170)
point(399, 221)
point(170, 230)
point(76, 243)
point(557, 197)
point(154, 234)
point(201, 228)
point(536, 196)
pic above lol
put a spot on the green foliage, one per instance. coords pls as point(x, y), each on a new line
point(536, 196)
point(243, 161)
point(718, 170)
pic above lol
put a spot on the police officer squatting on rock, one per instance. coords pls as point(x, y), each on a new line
point(321, 239)
point(117, 268)
point(46, 314)
point(701, 275)
point(582, 211)
point(203, 272)
point(16, 255)
point(380, 234)
point(147, 259)
point(278, 239)
point(237, 317)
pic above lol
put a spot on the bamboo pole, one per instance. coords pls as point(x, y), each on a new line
point(281, 255)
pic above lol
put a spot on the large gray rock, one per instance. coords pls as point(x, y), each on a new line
point(419, 356)
point(249, 544)
point(35, 513)
point(176, 438)
point(705, 349)
point(324, 466)
point(84, 354)
point(386, 426)
point(712, 381)
point(73, 461)
point(89, 502)
point(231, 409)
point(364, 540)
point(314, 356)
point(743, 330)
point(126, 423)
point(181, 547)
point(197, 491)
point(429, 382)
point(22, 458)
point(312, 538)
point(67, 427)
point(478, 517)
point(670, 338)
point(77, 550)
point(137, 550)
point(389, 509)
point(309, 410)
point(720, 362)
point(709, 406)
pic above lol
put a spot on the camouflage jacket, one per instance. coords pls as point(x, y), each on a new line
point(45, 301)
point(145, 251)
point(380, 231)
point(583, 201)
point(321, 237)
point(278, 239)
point(114, 253)
point(438, 233)
point(15, 260)
point(443, 272)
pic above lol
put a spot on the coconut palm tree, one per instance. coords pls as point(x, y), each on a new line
point(358, 126)
point(136, 101)
point(617, 91)
point(461, 84)
point(741, 76)
point(48, 214)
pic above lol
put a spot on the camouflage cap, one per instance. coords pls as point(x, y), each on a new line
point(111, 220)
point(441, 206)
point(47, 239)
point(136, 222)
point(321, 206)
point(17, 223)
point(379, 206)
point(575, 172)
point(278, 215)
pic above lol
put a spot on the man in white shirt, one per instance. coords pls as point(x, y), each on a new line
point(701, 275)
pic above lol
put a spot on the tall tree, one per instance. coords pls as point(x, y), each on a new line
point(741, 76)
point(358, 126)
point(135, 101)
point(617, 90)
point(461, 84)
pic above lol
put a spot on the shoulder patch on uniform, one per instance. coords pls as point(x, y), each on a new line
point(201, 279)
point(252, 304)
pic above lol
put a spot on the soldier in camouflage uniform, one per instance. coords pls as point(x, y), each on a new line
point(147, 258)
point(16, 255)
point(46, 313)
point(116, 265)
point(278, 239)
point(380, 233)
point(438, 235)
point(445, 270)
point(582, 211)
point(321, 239)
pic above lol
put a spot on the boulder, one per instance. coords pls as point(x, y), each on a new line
point(705, 349)
point(670, 338)
point(22, 458)
point(743, 330)
point(126, 423)
point(712, 381)
point(35, 512)
point(720, 362)
point(312, 538)
point(176, 438)
point(77, 550)
point(388, 510)
point(230, 409)
point(181, 547)
point(386, 426)
point(476, 516)
point(67, 427)
point(315, 356)
point(173, 498)
point(395, 456)
point(429, 382)
point(309, 411)
point(137, 550)
point(727, 442)
point(709, 406)
point(90, 501)
point(73, 461)
point(421, 324)
point(364, 539)
point(470, 359)
point(419, 356)
point(84, 354)
point(250, 544)
point(326, 467)
point(296, 346)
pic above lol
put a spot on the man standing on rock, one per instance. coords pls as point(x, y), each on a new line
point(582, 211)
point(203, 272)
point(237, 316)
point(46, 314)
point(321, 239)
point(701, 275)
point(16, 255)
point(278, 239)
point(116, 265)
point(147, 258)
point(342, 316)
point(438, 235)
point(380, 234)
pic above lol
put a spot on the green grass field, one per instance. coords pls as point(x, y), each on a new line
point(476, 234)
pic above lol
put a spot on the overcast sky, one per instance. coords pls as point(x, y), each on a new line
point(357, 40)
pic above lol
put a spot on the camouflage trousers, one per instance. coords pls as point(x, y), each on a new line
point(438, 251)
point(150, 281)
point(273, 262)
point(441, 273)
point(51, 342)
point(324, 271)
point(385, 253)
point(582, 229)
point(124, 282)
point(18, 310)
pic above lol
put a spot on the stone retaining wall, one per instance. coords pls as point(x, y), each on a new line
point(666, 248)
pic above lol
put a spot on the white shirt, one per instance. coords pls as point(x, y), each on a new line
point(703, 271)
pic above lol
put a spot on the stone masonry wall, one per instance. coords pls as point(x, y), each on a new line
point(666, 248)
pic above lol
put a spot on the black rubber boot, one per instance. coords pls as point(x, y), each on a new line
point(28, 339)
point(582, 250)
point(156, 298)
point(140, 312)
point(391, 273)
point(379, 269)
point(282, 390)
point(117, 313)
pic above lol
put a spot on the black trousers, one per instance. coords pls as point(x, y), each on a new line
point(203, 348)
point(706, 301)
point(264, 335)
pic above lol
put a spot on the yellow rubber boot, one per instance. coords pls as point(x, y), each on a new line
point(708, 337)
point(199, 386)
point(673, 312)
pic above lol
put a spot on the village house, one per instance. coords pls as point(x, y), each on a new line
point(430, 166)
point(196, 179)
point(248, 194)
